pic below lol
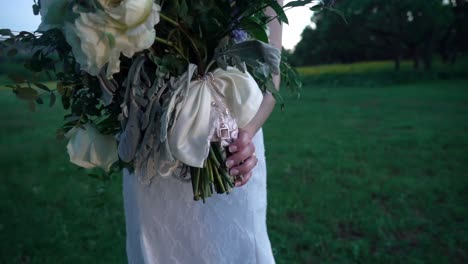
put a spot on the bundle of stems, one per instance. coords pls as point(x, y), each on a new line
point(214, 176)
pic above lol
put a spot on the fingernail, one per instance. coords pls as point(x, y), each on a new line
point(229, 163)
point(232, 148)
point(234, 172)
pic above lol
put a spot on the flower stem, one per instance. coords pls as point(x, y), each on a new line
point(169, 20)
point(189, 38)
point(172, 45)
point(208, 67)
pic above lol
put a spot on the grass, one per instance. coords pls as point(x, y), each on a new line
point(357, 174)
point(352, 68)
point(370, 175)
point(373, 66)
point(378, 73)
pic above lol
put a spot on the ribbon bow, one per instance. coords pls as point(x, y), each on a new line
point(191, 133)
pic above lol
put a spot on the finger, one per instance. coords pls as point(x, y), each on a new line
point(240, 156)
point(245, 167)
point(246, 179)
point(242, 141)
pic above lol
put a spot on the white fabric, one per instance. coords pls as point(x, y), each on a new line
point(190, 136)
point(165, 226)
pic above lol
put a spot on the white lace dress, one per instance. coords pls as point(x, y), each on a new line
point(166, 226)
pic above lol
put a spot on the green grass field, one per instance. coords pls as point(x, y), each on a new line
point(357, 174)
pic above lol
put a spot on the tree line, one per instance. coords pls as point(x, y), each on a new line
point(386, 29)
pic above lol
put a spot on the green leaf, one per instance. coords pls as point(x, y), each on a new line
point(290, 79)
point(66, 102)
point(184, 14)
point(12, 52)
point(16, 78)
point(39, 100)
point(11, 86)
point(6, 32)
point(33, 66)
point(278, 98)
point(52, 100)
point(60, 88)
point(25, 34)
point(280, 12)
point(316, 8)
point(36, 9)
point(338, 12)
point(26, 93)
point(42, 87)
point(111, 38)
point(255, 28)
point(298, 3)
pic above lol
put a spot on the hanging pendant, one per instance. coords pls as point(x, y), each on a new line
point(224, 132)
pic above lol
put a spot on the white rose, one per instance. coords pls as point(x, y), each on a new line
point(125, 26)
point(88, 148)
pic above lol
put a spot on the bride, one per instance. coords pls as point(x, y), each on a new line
point(164, 224)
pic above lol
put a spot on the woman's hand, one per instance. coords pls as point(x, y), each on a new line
point(242, 159)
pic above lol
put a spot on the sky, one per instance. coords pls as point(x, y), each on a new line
point(17, 15)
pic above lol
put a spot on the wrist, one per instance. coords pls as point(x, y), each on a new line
point(250, 130)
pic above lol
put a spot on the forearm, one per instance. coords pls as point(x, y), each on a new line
point(262, 115)
point(269, 101)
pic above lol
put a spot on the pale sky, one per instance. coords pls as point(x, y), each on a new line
point(17, 15)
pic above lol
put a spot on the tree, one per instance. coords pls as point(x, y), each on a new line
point(455, 39)
point(377, 29)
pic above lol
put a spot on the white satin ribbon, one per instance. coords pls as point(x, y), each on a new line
point(189, 139)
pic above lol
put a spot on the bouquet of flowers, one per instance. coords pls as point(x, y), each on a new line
point(157, 86)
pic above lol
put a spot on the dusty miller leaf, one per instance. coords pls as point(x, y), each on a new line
point(254, 53)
